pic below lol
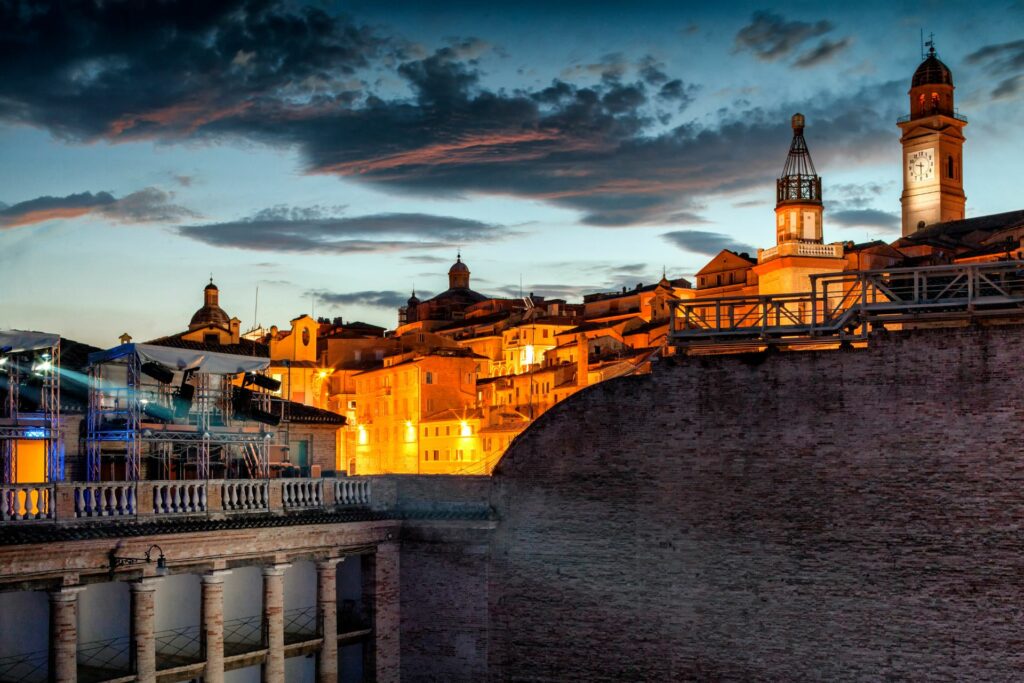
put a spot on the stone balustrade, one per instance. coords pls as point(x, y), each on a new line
point(26, 501)
point(82, 502)
point(351, 491)
point(104, 499)
point(245, 495)
point(302, 493)
point(179, 497)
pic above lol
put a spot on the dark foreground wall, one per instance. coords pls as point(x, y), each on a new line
point(851, 515)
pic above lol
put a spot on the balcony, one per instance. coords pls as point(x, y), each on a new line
point(800, 249)
point(953, 114)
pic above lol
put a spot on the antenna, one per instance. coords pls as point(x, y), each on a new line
point(520, 285)
point(256, 307)
point(922, 44)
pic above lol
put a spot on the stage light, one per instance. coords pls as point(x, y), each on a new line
point(158, 372)
point(262, 381)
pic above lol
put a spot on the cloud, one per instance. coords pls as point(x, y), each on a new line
point(131, 69)
point(769, 36)
point(1005, 60)
point(825, 50)
point(706, 243)
point(306, 80)
point(869, 218)
point(374, 298)
point(314, 230)
point(145, 206)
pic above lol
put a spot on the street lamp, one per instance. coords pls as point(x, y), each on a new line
point(147, 558)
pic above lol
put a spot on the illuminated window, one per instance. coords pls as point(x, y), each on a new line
point(465, 429)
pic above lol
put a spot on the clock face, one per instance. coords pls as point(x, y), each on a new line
point(921, 165)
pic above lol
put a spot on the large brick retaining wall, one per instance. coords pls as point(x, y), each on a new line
point(844, 515)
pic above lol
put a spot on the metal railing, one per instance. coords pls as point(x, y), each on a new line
point(242, 635)
point(102, 659)
point(842, 305)
point(178, 647)
point(29, 667)
point(300, 625)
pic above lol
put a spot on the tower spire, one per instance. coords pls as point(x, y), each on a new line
point(798, 192)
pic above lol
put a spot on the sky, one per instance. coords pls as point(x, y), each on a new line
point(333, 156)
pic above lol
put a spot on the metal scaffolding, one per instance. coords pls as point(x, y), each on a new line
point(30, 379)
point(177, 412)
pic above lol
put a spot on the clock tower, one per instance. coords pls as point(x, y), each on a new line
point(933, 139)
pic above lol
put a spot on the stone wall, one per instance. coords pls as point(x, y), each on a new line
point(791, 516)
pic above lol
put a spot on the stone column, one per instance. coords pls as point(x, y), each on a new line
point(327, 617)
point(273, 622)
point(387, 618)
point(213, 625)
point(143, 640)
point(64, 634)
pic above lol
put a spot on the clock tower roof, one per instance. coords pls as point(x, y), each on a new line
point(932, 71)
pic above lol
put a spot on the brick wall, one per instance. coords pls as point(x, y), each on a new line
point(817, 515)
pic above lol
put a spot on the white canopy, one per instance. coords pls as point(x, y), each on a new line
point(20, 341)
point(185, 359)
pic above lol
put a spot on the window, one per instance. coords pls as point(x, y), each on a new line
point(545, 334)
point(426, 431)
point(429, 378)
point(949, 166)
point(211, 338)
point(378, 354)
point(357, 355)
point(436, 457)
point(426, 455)
point(447, 430)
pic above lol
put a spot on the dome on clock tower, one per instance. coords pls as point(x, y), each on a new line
point(932, 72)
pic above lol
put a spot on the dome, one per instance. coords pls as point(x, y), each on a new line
point(458, 266)
point(210, 315)
point(932, 72)
point(412, 299)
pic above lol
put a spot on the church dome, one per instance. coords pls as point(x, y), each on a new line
point(211, 313)
point(413, 300)
point(458, 267)
point(932, 72)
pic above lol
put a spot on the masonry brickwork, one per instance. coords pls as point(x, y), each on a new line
point(844, 515)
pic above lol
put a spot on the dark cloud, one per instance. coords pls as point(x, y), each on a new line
point(706, 243)
point(823, 52)
point(297, 78)
point(184, 180)
point(314, 230)
point(868, 218)
point(769, 36)
point(145, 206)
point(87, 69)
point(374, 298)
point(1003, 60)
point(426, 258)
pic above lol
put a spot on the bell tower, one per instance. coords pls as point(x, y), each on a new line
point(933, 140)
point(798, 206)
